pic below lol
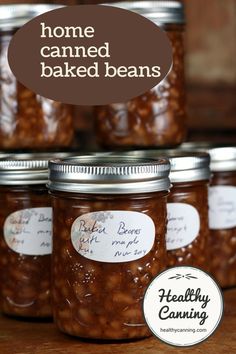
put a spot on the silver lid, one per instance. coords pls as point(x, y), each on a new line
point(203, 145)
point(160, 12)
point(16, 15)
point(185, 166)
point(189, 166)
point(222, 155)
point(223, 159)
point(4, 155)
point(109, 175)
point(26, 168)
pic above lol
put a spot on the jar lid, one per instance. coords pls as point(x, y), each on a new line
point(26, 168)
point(223, 159)
point(160, 12)
point(189, 166)
point(16, 15)
point(222, 155)
point(203, 145)
point(185, 166)
point(4, 155)
point(109, 175)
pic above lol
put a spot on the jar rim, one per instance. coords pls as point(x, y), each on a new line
point(222, 155)
point(27, 168)
point(117, 174)
point(185, 166)
point(16, 15)
point(160, 12)
point(223, 159)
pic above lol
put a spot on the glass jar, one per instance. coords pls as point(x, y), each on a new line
point(25, 242)
point(222, 215)
point(158, 117)
point(27, 120)
point(109, 223)
point(187, 237)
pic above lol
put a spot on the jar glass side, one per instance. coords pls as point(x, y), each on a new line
point(223, 241)
point(103, 300)
point(196, 253)
point(25, 279)
point(156, 118)
point(28, 120)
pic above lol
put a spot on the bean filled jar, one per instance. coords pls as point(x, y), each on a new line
point(27, 120)
point(25, 242)
point(222, 215)
point(109, 223)
point(156, 118)
point(187, 237)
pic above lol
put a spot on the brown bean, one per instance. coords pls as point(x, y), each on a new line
point(196, 253)
point(29, 121)
point(25, 280)
point(223, 242)
point(104, 296)
point(156, 118)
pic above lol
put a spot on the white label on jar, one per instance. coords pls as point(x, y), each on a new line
point(113, 236)
point(29, 231)
point(222, 207)
point(183, 225)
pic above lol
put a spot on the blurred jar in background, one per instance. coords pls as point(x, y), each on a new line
point(27, 120)
point(25, 237)
point(158, 117)
point(187, 236)
point(222, 215)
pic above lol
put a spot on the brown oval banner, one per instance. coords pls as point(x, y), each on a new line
point(90, 55)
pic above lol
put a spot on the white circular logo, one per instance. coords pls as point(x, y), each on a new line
point(183, 306)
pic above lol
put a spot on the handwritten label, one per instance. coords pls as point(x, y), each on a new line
point(113, 236)
point(183, 225)
point(29, 231)
point(222, 207)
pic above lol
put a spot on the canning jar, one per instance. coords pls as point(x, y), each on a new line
point(187, 237)
point(222, 215)
point(109, 223)
point(25, 230)
point(27, 120)
point(156, 118)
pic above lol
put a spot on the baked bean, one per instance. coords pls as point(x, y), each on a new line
point(25, 279)
point(223, 241)
point(156, 118)
point(97, 299)
point(195, 253)
point(27, 120)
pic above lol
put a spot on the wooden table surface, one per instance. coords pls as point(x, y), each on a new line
point(20, 337)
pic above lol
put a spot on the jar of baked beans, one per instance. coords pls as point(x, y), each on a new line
point(222, 215)
point(109, 224)
point(156, 118)
point(27, 120)
point(187, 237)
point(25, 242)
